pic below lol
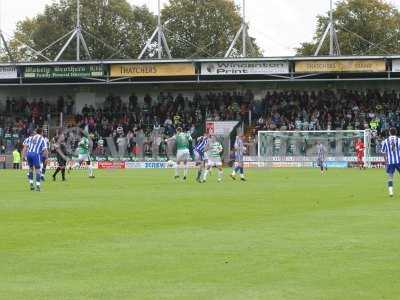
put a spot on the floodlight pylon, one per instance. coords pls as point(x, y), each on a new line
point(77, 34)
point(243, 30)
point(161, 39)
point(3, 41)
point(334, 47)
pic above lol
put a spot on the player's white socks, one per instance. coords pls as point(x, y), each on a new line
point(220, 175)
point(390, 185)
point(205, 174)
point(90, 170)
point(177, 170)
point(38, 177)
point(235, 169)
point(186, 170)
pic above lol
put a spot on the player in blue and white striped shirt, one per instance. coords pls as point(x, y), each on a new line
point(240, 149)
point(391, 150)
point(200, 155)
point(44, 158)
point(34, 148)
point(321, 157)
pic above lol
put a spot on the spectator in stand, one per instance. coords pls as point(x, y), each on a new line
point(16, 159)
point(60, 104)
point(133, 103)
point(3, 152)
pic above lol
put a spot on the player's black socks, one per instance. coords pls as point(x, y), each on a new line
point(56, 172)
point(198, 175)
point(63, 174)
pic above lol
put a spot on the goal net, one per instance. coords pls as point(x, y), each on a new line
point(299, 148)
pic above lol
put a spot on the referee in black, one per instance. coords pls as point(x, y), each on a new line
point(61, 151)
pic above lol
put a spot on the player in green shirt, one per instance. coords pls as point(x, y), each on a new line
point(214, 158)
point(84, 154)
point(83, 146)
point(182, 141)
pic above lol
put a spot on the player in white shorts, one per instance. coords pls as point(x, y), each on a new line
point(214, 158)
point(182, 141)
point(182, 155)
point(84, 155)
point(200, 155)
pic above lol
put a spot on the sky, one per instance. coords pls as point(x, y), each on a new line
point(279, 26)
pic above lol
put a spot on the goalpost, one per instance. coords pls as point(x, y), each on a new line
point(298, 148)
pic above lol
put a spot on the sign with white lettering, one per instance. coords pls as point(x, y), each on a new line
point(245, 68)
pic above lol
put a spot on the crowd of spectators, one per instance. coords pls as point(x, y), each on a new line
point(153, 118)
point(330, 110)
point(19, 116)
point(166, 111)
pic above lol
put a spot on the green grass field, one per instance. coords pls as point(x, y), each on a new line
point(285, 234)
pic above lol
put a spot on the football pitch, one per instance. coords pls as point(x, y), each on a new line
point(138, 234)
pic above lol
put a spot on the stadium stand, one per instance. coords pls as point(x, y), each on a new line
point(278, 110)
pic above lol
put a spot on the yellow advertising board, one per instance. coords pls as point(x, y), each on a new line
point(325, 66)
point(152, 70)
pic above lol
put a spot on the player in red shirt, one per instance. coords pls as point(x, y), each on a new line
point(360, 153)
